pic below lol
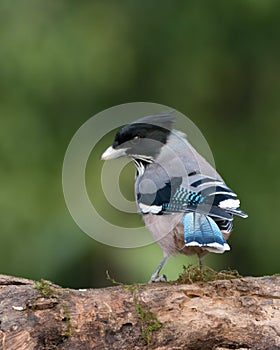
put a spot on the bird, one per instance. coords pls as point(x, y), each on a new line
point(183, 200)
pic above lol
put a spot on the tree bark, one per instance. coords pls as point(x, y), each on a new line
point(240, 313)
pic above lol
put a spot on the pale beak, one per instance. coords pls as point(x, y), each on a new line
point(112, 153)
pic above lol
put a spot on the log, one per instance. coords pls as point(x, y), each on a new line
point(241, 313)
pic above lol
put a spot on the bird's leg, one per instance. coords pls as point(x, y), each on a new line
point(200, 257)
point(155, 276)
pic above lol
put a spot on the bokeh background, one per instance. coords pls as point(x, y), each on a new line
point(61, 62)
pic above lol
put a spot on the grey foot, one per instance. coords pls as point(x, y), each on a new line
point(156, 278)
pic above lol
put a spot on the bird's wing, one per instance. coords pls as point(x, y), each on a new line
point(183, 181)
point(154, 188)
point(205, 195)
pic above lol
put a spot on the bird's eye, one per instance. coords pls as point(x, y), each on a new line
point(135, 140)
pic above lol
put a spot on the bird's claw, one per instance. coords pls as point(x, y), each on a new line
point(157, 278)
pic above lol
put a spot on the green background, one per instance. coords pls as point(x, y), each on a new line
point(61, 62)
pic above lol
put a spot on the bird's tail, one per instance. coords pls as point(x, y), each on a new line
point(202, 231)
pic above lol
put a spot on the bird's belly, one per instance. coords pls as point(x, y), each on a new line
point(168, 232)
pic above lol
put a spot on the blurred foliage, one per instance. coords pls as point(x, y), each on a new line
point(63, 61)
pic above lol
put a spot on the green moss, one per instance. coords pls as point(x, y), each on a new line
point(148, 320)
point(44, 287)
point(192, 274)
point(67, 319)
point(131, 287)
point(111, 279)
point(46, 290)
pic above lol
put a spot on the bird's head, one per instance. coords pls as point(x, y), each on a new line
point(142, 139)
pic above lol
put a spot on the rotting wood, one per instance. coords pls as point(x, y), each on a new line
point(241, 313)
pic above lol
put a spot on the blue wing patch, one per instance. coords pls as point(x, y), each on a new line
point(183, 199)
point(201, 231)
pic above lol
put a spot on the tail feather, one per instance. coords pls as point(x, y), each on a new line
point(238, 212)
point(202, 231)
